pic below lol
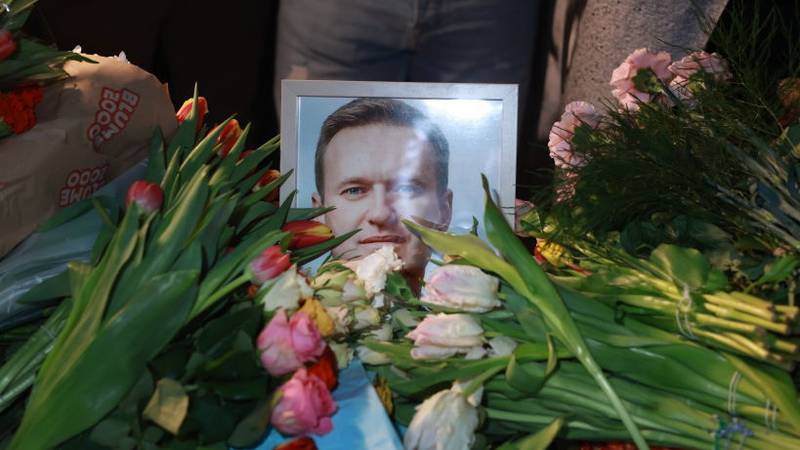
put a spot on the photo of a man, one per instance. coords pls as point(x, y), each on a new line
point(378, 161)
point(377, 153)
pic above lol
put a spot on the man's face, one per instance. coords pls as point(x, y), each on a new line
point(375, 175)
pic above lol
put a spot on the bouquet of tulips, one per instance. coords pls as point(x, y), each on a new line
point(496, 338)
point(156, 341)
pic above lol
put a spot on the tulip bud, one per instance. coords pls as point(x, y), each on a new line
point(441, 336)
point(371, 357)
point(461, 288)
point(306, 233)
point(305, 406)
point(228, 137)
point(268, 177)
point(7, 44)
point(148, 196)
point(444, 421)
point(269, 264)
point(186, 109)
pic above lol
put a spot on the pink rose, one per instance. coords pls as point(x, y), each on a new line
point(622, 79)
point(286, 345)
point(305, 406)
point(306, 339)
point(710, 63)
point(560, 144)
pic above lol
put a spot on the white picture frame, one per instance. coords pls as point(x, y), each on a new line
point(479, 122)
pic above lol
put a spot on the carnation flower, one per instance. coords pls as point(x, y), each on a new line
point(687, 67)
point(633, 81)
point(562, 151)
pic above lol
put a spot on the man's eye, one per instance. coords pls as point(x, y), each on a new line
point(352, 192)
point(407, 189)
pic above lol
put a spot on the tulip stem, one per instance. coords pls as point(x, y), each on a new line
point(478, 381)
point(202, 304)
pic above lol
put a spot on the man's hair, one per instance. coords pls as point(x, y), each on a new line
point(382, 111)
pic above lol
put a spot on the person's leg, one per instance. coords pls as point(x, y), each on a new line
point(343, 39)
point(475, 41)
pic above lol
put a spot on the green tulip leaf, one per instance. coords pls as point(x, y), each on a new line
point(540, 440)
point(685, 266)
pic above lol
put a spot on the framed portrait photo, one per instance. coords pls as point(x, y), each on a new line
point(380, 152)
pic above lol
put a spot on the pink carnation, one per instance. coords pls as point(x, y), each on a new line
point(286, 345)
point(622, 83)
point(560, 143)
point(305, 406)
point(710, 63)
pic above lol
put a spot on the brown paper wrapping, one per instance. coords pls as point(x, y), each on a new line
point(90, 128)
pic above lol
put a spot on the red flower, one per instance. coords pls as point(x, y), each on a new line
point(7, 44)
point(186, 109)
point(325, 369)
point(306, 233)
point(269, 264)
point(228, 137)
point(303, 443)
point(17, 108)
point(268, 177)
point(148, 196)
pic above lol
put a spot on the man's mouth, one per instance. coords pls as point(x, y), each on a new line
point(386, 238)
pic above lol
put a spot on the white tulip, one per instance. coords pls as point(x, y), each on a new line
point(444, 335)
point(444, 421)
point(461, 288)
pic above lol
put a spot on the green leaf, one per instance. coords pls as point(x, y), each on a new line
point(685, 266)
point(540, 440)
point(156, 163)
point(70, 404)
point(250, 430)
point(110, 432)
point(168, 406)
point(50, 289)
point(65, 215)
point(779, 270)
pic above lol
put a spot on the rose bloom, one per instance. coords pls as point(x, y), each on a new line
point(560, 143)
point(622, 78)
point(286, 345)
point(375, 175)
point(305, 406)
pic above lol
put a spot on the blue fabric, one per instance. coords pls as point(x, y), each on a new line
point(359, 423)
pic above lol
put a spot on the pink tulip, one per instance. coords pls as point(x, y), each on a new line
point(286, 345)
point(269, 264)
point(147, 195)
point(305, 406)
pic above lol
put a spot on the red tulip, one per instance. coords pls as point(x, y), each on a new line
point(148, 196)
point(307, 232)
point(269, 264)
point(268, 177)
point(228, 137)
point(7, 44)
point(186, 109)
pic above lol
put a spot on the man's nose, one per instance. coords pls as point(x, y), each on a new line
point(382, 211)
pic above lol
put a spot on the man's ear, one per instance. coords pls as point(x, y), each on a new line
point(316, 202)
point(446, 205)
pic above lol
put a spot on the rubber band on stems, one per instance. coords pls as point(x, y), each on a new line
point(771, 415)
point(733, 386)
